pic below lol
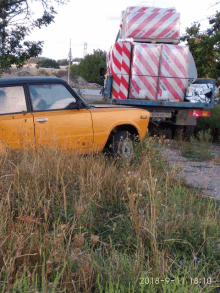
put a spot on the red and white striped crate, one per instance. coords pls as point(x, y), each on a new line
point(172, 89)
point(145, 70)
point(143, 87)
point(174, 72)
point(120, 68)
point(146, 59)
point(137, 9)
point(125, 70)
point(141, 25)
point(174, 61)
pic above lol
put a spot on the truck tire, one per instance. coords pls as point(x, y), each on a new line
point(122, 145)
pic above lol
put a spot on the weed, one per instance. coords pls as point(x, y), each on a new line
point(73, 223)
point(197, 149)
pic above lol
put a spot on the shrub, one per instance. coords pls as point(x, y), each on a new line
point(212, 122)
point(48, 63)
point(43, 72)
point(89, 67)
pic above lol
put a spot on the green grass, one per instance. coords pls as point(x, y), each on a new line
point(90, 224)
point(197, 149)
point(212, 123)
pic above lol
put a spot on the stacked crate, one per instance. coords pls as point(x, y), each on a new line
point(147, 62)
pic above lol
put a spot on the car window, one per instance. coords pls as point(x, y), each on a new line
point(50, 97)
point(12, 100)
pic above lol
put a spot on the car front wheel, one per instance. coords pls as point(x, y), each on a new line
point(122, 145)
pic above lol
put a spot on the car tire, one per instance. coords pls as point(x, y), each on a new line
point(122, 145)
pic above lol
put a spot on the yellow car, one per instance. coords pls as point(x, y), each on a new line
point(37, 111)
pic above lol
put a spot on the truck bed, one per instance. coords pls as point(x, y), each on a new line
point(159, 104)
point(162, 104)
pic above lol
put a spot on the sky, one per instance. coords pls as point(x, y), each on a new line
point(96, 22)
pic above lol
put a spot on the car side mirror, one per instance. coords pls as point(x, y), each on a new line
point(79, 104)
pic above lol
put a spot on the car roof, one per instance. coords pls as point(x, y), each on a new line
point(29, 79)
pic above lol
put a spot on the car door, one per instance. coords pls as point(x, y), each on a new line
point(57, 126)
point(16, 125)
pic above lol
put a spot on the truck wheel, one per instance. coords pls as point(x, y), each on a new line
point(122, 145)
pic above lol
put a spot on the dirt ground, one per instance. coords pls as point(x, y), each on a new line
point(204, 175)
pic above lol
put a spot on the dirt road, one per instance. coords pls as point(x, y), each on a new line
point(204, 175)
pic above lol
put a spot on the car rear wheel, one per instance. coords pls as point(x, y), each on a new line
point(122, 145)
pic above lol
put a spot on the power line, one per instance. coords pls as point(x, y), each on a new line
point(214, 5)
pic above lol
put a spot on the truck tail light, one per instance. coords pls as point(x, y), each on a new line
point(199, 113)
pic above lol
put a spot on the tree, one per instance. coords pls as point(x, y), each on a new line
point(63, 62)
point(77, 59)
point(89, 67)
point(48, 63)
point(16, 22)
point(205, 47)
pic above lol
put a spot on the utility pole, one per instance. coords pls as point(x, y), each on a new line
point(70, 60)
point(85, 50)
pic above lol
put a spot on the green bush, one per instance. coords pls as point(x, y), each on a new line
point(43, 72)
point(212, 122)
point(89, 67)
point(48, 63)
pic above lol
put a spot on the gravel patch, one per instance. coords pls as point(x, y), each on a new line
point(204, 175)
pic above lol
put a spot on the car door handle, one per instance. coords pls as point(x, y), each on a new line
point(41, 119)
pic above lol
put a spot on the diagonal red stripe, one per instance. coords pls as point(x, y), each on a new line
point(156, 25)
point(125, 67)
point(133, 20)
point(146, 83)
point(143, 60)
point(135, 86)
point(115, 93)
point(124, 82)
point(170, 88)
point(117, 62)
point(175, 59)
point(145, 64)
point(126, 51)
point(141, 26)
point(118, 47)
point(169, 69)
point(168, 28)
point(175, 35)
point(117, 79)
point(157, 10)
point(183, 53)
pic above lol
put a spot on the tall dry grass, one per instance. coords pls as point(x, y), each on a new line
point(92, 224)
